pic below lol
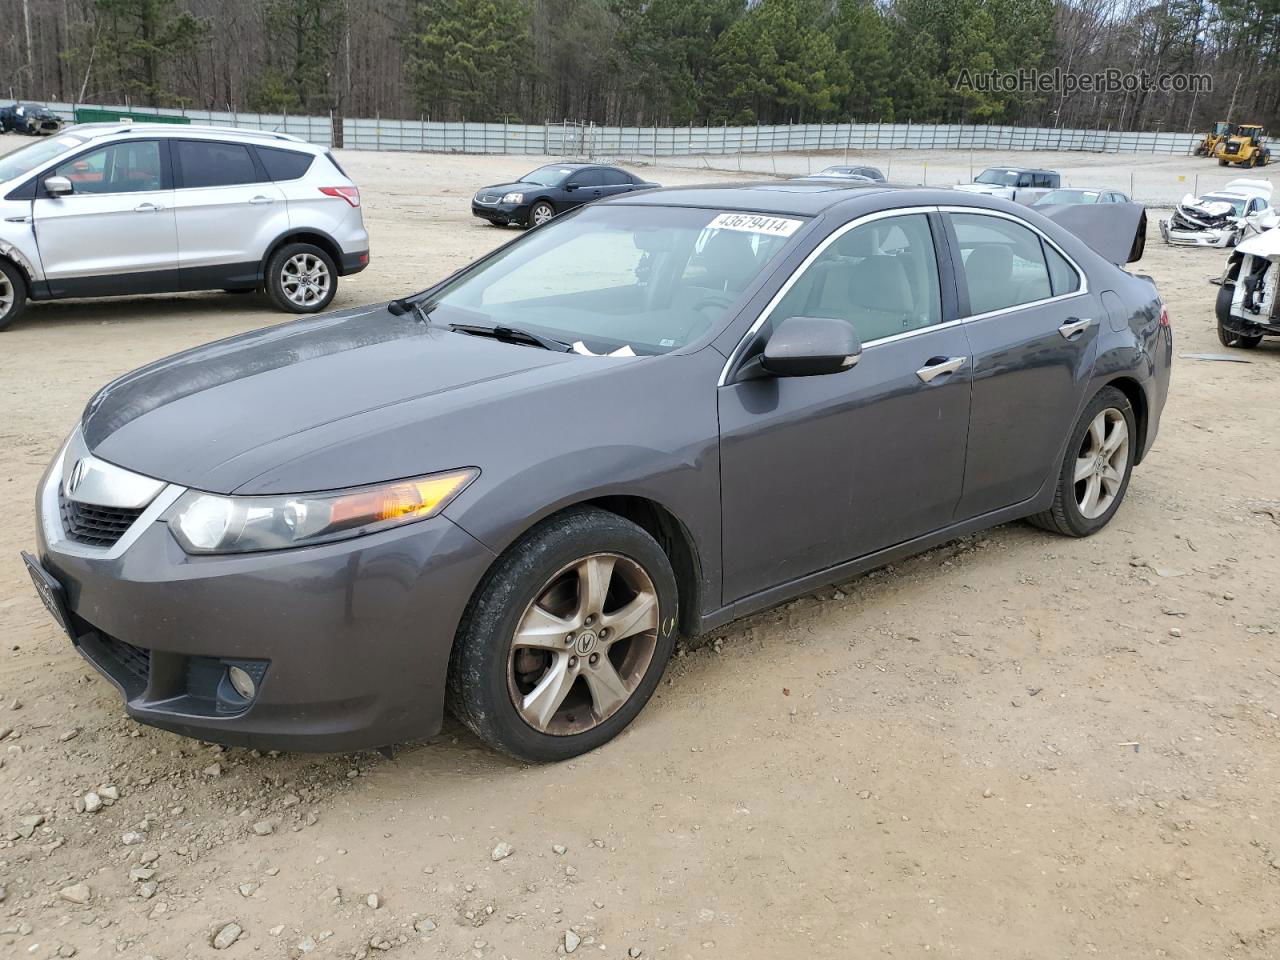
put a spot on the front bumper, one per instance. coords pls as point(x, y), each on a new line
point(1195, 238)
point(502, 213)
point(350, 640)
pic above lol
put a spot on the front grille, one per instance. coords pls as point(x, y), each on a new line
point(94, 525)
point(487, 198)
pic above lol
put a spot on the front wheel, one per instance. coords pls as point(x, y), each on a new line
point(1095, 471)
point(540, 213)
point(13, 294)
point(301, 278)
point(567, 637)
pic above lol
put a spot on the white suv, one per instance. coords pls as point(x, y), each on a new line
point(104, 209)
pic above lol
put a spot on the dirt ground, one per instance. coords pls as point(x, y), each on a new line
point(1016, 746)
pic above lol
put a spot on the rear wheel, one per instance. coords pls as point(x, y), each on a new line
point(301, 278)
point(566, 639)
point(1095, 471)
point(1222, 309)
point(13, 293)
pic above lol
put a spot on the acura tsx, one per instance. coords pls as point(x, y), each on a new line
point(508, 494)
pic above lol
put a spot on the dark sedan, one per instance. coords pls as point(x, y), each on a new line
point(541, 194)
point(509, 493)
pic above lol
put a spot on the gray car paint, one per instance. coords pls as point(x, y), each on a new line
point(817, 478)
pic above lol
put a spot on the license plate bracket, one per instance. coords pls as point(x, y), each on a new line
point(50, 592)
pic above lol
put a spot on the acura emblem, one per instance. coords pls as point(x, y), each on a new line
point(77, 475)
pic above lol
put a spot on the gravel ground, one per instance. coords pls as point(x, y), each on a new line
point(1014, 746)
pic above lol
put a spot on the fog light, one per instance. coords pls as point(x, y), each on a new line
point(242, 682)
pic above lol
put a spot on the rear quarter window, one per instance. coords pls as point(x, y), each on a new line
point(284, 164)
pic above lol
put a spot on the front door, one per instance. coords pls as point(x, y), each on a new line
point(115, 232)
point(1034, 332)
point(819, 470)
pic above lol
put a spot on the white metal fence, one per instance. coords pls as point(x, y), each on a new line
point(577, 139)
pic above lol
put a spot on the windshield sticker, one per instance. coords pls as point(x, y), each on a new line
point(755, 223)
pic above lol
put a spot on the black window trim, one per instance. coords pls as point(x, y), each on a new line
point(179, 179)
point(962, 280)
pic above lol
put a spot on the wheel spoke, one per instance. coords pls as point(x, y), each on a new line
point(594, 575)
point(1111, 478)
point(1118, 435)
point(1097, 433)
point(639, 615)
point(544, 700)
point(1084, 468)
point(608, 692)
point(542, 630)
point(1092, 488)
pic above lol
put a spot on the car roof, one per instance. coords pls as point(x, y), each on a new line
point(1020, 169)
point(192, 131)
point(799, 197)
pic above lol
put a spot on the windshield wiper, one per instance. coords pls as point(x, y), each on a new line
point(512, 335)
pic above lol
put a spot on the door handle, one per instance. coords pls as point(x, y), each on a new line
point(147, 208)
point(261, 200)
point(939, 366)
point(1073, 326)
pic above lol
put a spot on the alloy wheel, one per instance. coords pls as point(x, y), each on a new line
point(584, 644)
point(305, 279)
point(7, 295)
point(541, 214)
point(1101, 463)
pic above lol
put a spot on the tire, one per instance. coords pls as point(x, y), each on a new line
point(301, 259)
point(1251, 162)
point(1222, 310)
point(540, 213)
point(487, 675)
point(1222, 162)
point(13, 293)
point(1066, 516)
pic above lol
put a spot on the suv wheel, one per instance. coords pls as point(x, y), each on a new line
point(1096, 469)
point(13, 293)
point(301, 278)
point(1226, 336)
point(566, 639)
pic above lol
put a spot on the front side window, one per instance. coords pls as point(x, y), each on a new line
point(880, 277)
point(211, 164)
point(1004, 262)
point(653, 279)
point(132, 166)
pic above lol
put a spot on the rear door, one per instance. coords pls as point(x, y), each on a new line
point(588, 185)
point(1033, 328)
point(228, 213)
point(115, 233)
point(614, 182)
point(819, 470)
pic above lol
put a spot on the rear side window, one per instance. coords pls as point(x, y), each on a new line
point(284, 164)
point(1062, 276)
point(210, 164)
point(1004, 263)
point(588, 178)
point(613, 178)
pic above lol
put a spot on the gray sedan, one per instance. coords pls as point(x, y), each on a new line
point(510, 493)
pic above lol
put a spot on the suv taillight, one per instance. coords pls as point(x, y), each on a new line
point(349, 194)
point(1164, 315)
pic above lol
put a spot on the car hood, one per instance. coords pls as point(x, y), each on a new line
point(516, 185)
point(234, 415)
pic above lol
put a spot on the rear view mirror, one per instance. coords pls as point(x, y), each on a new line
point(810, 347)
point(57, 186)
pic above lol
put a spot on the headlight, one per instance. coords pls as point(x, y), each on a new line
point(208, 523)
point(513, 198)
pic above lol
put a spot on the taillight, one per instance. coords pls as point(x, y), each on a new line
point(349, 194)
point(1164, 315)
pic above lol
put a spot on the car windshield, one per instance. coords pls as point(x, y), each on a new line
point(1001, 178)
point(26, 159)
point(547, 176)
point(639, 279)
point(1237, 203)
point(1069, 196)
point(836, 172)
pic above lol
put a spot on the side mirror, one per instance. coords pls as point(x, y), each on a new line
point(810, 347)
point(571, 186)
point(58, 186)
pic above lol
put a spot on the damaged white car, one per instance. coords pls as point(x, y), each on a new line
point(1222, 218)
point(1248, 305)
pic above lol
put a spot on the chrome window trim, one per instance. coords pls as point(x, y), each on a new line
point(736, 353)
